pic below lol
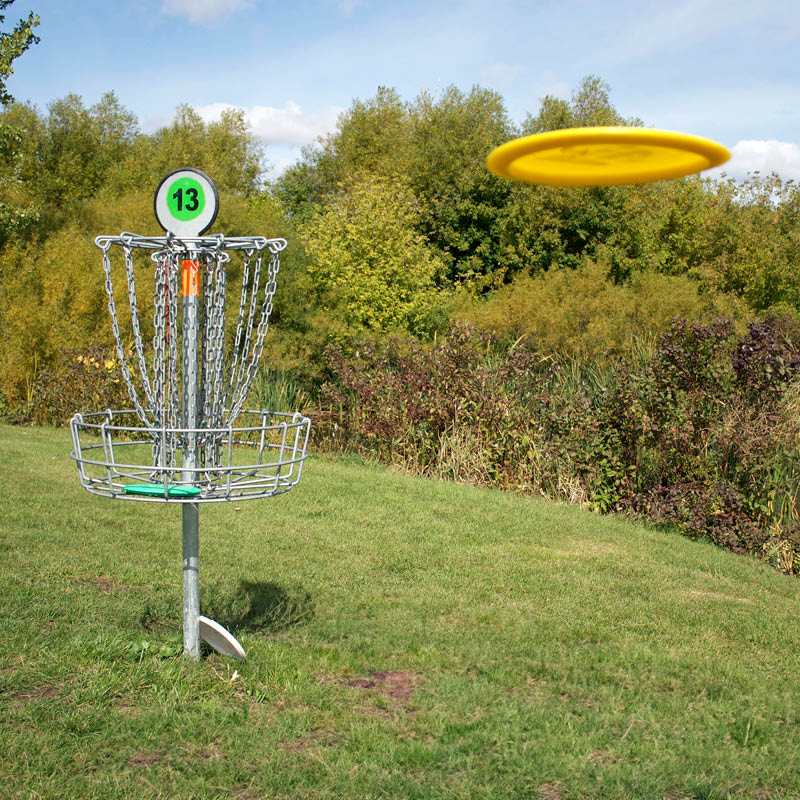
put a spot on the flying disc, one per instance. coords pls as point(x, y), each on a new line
point(222, 640)
point(157, 490)
point(604, 156)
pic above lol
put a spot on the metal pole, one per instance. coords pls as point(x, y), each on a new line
point(191, 511)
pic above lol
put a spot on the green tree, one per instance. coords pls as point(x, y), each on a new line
point(485, 229)
point(590, 105)
point(19, 210)
point(368, 265)
point(226, 149)
point(12, 45)
point(437, 146)
point(544, 227)
point(371, 136)
point(82, 145)
point(460, 200)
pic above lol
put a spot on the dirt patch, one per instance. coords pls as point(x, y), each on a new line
point(362, 683)
point(399, 685)
point(145, 759)
point(212, 752)
point(602, 757)
point(124, 705)
point(156, 625)
point(35, 693)
point(552, 791)
point(246, 793)
point(105, 584)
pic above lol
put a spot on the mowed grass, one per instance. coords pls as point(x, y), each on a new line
point(405, 639)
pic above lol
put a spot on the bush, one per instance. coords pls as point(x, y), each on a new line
point(676, 436)
point(584, 314)
point(79, 381)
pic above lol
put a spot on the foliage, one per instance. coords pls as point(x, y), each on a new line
point(460, 200)
point(20, 211)
point(574, 383)
point(52, 293)
point(277, 390)
point(732, 238)
point(81, 145)
point(434, 146)
point(227, 150)
point(582, 313)
point(12, 45)
point(79, 381)
point(368, 265)
point(371, 137)
point(674, 435)
point(590, 105)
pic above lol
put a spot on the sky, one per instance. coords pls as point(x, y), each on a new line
point(724, 69)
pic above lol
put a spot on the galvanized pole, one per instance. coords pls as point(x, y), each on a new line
point(191, 511)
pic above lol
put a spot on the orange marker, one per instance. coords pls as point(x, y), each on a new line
point(191, 277)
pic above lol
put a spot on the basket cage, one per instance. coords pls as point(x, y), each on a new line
point(188, 365)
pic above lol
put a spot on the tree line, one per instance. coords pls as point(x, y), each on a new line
point(395, 226)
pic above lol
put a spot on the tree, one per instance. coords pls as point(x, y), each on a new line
point(460, 200)
point(368, 264)
point(12, 45)
point(226, 149)
point(437, 146)
point(371, 136)
point(21, 132)
point(590, 105)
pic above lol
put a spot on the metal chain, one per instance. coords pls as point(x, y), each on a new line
point(112, 309)
point(263, 326)
point(227, 371)
point(215, 339)
point(159, 336)
point(137, 334)
point(237, 341)
point(173, 400)
point(161, 450)
point(251, 315)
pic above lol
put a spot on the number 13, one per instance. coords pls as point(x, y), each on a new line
point(192, 204)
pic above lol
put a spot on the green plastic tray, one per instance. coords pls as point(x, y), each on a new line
point(157, 490)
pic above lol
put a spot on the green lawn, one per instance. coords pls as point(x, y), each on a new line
point(405, 639)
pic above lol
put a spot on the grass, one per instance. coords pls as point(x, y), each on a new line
point(405, 639)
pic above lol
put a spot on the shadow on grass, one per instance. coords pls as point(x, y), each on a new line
point(270, 607)
point(253, 607)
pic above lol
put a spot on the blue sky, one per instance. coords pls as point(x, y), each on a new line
point(725, 69)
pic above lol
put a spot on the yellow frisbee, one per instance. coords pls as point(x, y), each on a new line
point(604, 156)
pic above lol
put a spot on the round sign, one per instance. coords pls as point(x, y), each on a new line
point(604, 156)
point(186, 202)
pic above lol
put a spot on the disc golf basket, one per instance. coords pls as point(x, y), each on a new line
point(187, 438)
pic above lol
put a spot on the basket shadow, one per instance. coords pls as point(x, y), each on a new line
point(260, 607)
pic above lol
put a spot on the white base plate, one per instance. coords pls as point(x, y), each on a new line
point(221, 640)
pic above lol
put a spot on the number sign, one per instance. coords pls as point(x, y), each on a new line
point(186, 202)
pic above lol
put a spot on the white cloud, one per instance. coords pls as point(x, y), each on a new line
point(204, 12)
point(289, 126)
point(766, 156)
point(279, 162)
